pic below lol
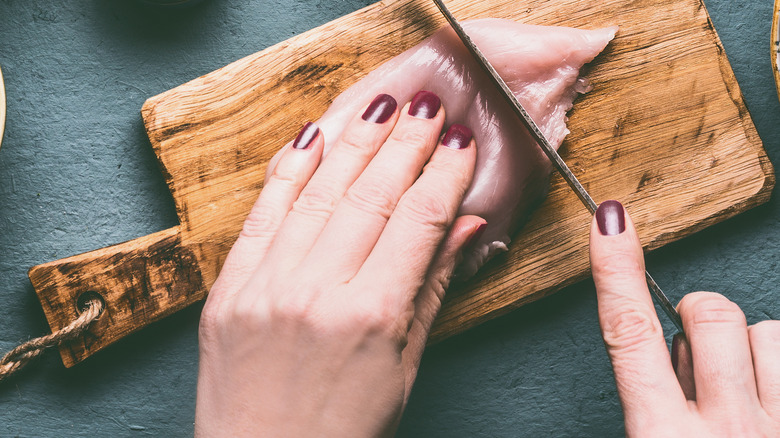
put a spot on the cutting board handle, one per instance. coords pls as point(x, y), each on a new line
point(140, 281)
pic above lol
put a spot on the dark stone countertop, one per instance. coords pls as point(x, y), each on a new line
point(77, 173)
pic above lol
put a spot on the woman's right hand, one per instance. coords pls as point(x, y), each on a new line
point(723, 380)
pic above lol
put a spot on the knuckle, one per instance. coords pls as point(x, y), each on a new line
point(295, 306)
point(247, 316)
point(415, 138)
point(705, 308)
point(353, 142)
point(426, 208)
point(282, 177)
point(619, 263)
point(316, 201)
point(211, 322)
point(372, 318)
point(261, 222)
point(630, 329)
point(374, 197)
point(741, 424)
point(450, 171)
point(438, 283)
point(766, 331)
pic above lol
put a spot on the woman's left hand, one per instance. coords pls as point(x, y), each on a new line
point(317, 322)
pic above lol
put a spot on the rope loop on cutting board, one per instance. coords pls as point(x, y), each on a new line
point(20, 356)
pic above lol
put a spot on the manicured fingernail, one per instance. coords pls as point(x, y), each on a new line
point(380, 109)
point(306, 137)
point(457, 137)
point(610, 218)
point(476, 234)
point(425, 105)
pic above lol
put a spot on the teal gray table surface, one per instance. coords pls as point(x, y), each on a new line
point(77, 173)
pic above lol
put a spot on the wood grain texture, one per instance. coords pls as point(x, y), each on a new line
point(142, 280)
point(664, 130)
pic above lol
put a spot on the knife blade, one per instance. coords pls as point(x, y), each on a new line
point(2, 106)
point(548, 149)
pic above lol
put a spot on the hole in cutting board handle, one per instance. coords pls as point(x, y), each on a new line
point(85, 297)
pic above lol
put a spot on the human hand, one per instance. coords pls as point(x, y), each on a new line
point(318, 319)
point(723, 380)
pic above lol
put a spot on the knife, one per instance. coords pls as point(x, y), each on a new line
point(548, 149)
point(2, 106)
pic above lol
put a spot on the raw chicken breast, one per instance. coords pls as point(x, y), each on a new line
point(541, 66)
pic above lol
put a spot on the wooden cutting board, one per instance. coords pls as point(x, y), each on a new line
point(665, 131)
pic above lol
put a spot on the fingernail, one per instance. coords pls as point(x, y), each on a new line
point(425, 105)
point(306, 136)
point(476, 234)
point(457, 137)
point(380, 109)
point(610, 218)
point(675, 351)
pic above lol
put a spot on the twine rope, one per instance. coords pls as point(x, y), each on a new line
point(20, 356)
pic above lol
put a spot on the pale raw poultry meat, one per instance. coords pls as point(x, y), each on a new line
point(540, 64)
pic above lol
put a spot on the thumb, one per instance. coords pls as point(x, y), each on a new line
point(632, 333)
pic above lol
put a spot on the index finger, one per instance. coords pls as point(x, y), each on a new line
point(632, 333)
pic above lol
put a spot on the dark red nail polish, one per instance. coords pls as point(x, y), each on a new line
point(610, 218)
point(476, 234)
point(380, 109)
point(307, 135)
point(457, 137)
point(425, 105)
